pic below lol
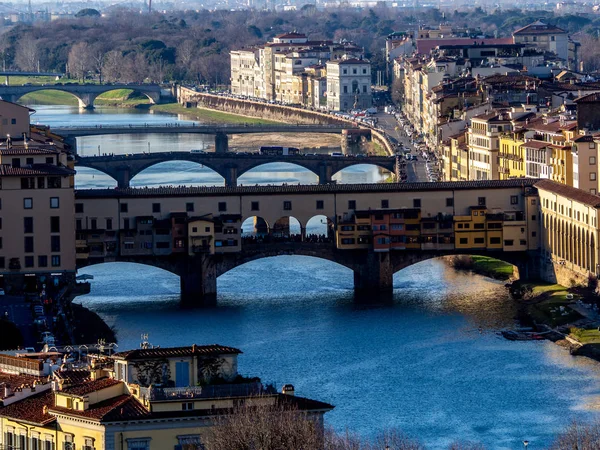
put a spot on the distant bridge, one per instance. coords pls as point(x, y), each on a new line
point(85, 93)
point(219, 130)
point(230, 166)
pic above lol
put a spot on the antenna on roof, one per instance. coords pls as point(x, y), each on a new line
point(145, 344)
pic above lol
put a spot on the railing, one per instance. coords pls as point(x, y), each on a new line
point(213, 391)
point(200, 126)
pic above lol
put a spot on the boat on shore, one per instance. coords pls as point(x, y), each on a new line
point(513, 335)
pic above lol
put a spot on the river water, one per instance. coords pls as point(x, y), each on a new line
point(430, 364)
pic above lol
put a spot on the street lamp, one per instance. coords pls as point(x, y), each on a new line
point(525, 444)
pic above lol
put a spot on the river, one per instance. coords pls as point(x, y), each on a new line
point(430, 364)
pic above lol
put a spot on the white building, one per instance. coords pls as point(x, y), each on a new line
point(348, 84)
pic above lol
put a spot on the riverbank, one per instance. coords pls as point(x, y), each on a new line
point(484, 265)
point(209, 115)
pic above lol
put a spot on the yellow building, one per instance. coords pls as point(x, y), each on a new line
point(100, 409)
point(511, 158)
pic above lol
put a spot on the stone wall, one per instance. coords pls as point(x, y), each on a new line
point(553, 272)
point(280, 113)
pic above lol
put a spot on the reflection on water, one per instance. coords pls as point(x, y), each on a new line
point(421, 364)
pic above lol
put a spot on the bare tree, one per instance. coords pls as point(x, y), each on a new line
point(27, 54)
point(98, 54)
point(394, 440)
point(80, 60)
point(578, 436)
point(185, 54)
point(267, 427)
point(112, 65)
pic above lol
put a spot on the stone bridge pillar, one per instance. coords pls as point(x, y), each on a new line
point(198, 280)
point(11, 97)
point(325, 173)
point(123, 177)
point(231, 175)
point(221, 143)
point(373, 278)
point(86, 101)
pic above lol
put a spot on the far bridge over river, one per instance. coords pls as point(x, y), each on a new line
point(220, 131)
point(230, 166)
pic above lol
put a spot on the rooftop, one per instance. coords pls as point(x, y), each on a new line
point(299, 189)
point(570, 192)
point(539, 27)
point(535, 144)
point(29, 150)
point(6, 170)
point(590, 98)
point(31, 409)
point(15, 381)
point(203, 350)
point(91, 386)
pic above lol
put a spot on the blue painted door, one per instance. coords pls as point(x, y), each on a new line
point(182, 374)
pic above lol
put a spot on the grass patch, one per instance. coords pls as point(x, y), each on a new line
point(209, 115)
point(49, 98)
point(492, 267)
point(122, 97)
point(591, 336)
point(548, 310)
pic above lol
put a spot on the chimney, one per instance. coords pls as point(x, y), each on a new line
point(287, 389)
point(194, 348)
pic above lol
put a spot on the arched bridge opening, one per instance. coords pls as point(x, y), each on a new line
point(46, 95)
point(363, 172)
point(180, 172)
point(88, 178)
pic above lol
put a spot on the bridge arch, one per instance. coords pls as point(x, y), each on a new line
point(320, 225)
point(256, 166)
point(196, 177)
point(91, 177)
point(18, 98)
point(286, 227)
point(255, 226)
point(363, 162)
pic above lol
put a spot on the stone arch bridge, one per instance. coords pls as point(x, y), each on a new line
point(373, 272)
point(85, 93)
point(230, 166)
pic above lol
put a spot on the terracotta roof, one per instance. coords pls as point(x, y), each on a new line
point(72, 377)
point(585, 138)
point(424, 46)
point(31, 409)
point(539, 28)
point(98, 411)
point(131, 410)
point(535, 144)
point(292, 35)
point(203, 350)
point(349, 61)
point(13, 381)
point(7, 170)
point(570, 192)
point(91, 386)
point(29, 151)
point(590, 98)
point(300, 189)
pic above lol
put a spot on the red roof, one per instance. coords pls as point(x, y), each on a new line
point(578, 195)
point(31, 409)
point(31, 150)
point(424, 46)
point(7, 170)
point(590, 98)
point(535, 144)
point(91, 386)
point(539, 28)
point(14, 381)
point(292, 35)
point(99, 410)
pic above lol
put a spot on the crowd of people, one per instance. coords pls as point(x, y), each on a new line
point(279, 238)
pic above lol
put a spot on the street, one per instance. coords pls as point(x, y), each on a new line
point(415, 170)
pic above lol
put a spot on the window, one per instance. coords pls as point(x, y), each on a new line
point(88, 444)
point(522, 242)
point(533, 217)
point(78, 225)
point(54, 202)
point(592, 160)
point(13, 121)
point(385, 203)
point(364, 71)
point(155, 207)
point(254, 206)
point(449, 202)
point(28, 244)
point(49, 160)
point(55, 260)
point(345, 89)
point(464, 240)
point(222, 206)
point(41, 182)
point(347, 241)
point(29, 261)
point(287, 205)
point(138, 444)
point(508, 242)
point(481, 201)
point(55, 243)
point(109, 224)
point(495, 240)
point(42, 261)
point(124, 207)
point(27, 224)
point(416, 202)
point(79, 208)
point(187, 406)
point(592, 176)
point(29, 161)
point(189, 207)
point(351, 204)
point(479, 240)
point(55, 224)
point(533, 234)
point(479, 226)
point(28, 183)
point(514, 199)
point(2, 262)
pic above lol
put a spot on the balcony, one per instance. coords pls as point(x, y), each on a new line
point(198, 392)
